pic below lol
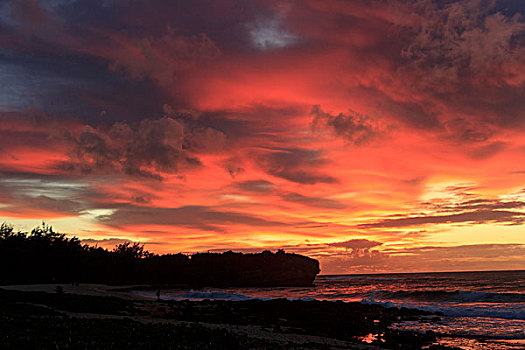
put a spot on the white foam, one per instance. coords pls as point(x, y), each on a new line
point(385, 279)
point(505, 311)
point(213, 295)
point(495, 328)
point(195, 295)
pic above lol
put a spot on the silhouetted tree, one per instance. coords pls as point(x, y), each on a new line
point(6, 231)
point(46, 256)
point(135, 250)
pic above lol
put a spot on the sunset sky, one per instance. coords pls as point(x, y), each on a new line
point(375, 136)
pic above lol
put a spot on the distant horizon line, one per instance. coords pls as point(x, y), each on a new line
point(412, 273)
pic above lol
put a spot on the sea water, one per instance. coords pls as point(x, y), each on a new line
point(482, 310)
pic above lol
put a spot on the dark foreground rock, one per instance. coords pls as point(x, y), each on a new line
point(61, 320)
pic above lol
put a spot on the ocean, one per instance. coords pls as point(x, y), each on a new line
point(482, 310)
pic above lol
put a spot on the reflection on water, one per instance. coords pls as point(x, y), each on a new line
point(370, 338)
point(475, 304)
point(472, 326)
point(483, 344)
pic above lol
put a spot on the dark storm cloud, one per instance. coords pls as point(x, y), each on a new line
point(68, 84)
point(120, 59)
point(464, 56)
point(224, 20)
point(136, 35)
point(151, 147)
point(161, 59)
point(77, 58)
point(144, 149)
point(461, 36)
point(200, 217)
point(468, 55)
point(431, 62)
point(295, 164)
point(352, 126)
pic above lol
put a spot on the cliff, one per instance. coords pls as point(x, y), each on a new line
point(227, 269)
point(264, 269)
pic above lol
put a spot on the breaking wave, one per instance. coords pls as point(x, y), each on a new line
point(453, 296)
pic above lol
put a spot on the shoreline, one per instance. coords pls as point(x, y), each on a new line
point(91, 289)
point(303, 324)
point(427, 320)
point(416, 273)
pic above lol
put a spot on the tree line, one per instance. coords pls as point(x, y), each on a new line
point(46, 256)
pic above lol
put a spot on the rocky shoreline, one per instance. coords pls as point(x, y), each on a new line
point(252, 324)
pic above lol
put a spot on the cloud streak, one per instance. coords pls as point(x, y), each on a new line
point(296, 165)
point(201, 217)
point(475, 217)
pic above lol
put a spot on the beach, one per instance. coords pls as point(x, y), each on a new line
point(67, 316)
point(468, 311)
